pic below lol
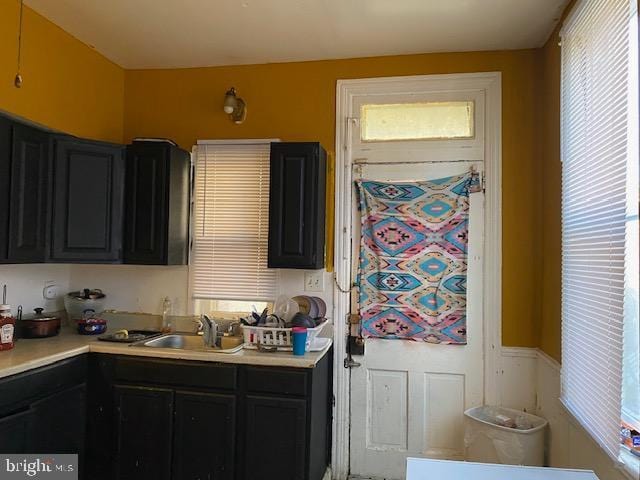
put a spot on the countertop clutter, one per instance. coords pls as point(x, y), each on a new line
point(33, 353)
point(134, 400)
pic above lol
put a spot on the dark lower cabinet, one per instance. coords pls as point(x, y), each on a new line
point(144, 426)
point(275, 438)
point(29, 195)
point(44, 410)
point(204, 436)
point(272, 424)
point(14, 432)
point(60, 422)
point(87, 202)
point(189, 420)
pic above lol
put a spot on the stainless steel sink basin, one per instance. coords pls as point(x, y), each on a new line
point(175, 341)
point(184, 341)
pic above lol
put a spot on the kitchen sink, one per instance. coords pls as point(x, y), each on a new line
point(184, 341)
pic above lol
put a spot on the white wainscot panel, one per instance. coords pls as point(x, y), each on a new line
point(517, 382)
point(387, 427)
point(445, 400)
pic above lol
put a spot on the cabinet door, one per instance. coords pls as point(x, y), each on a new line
point(29, 194)
point(144, 421)
point(146, 205)
point(275, 444)
point(100, 439)
point(297, 205)
point(88, 200)
point(203, 445)
point(14, 432)
point(5, 185)
point(59, 422)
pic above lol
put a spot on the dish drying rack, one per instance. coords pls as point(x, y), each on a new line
point(280, 338)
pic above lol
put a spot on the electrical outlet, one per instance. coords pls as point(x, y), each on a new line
point(314, 281)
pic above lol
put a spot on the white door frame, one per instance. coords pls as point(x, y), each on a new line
point(490, 82)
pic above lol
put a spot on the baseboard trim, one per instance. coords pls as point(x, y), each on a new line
point(549, 360)
point(522, 352)
point(531, 352)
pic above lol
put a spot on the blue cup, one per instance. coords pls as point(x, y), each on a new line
point(299, 340)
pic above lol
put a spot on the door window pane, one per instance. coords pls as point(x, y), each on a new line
point(417, 121)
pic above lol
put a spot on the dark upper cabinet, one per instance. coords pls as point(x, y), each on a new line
point(87, 201)
point(69, 200)
point(24, 192)
point(144, 425)
point(5, 186)
point(197, 416)
point(28, 216)
point(297, 205)
point(156, 204)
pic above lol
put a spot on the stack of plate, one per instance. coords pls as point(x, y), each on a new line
point(315, 307)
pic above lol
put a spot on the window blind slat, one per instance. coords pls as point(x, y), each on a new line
point(230, 223)
point(595, 117)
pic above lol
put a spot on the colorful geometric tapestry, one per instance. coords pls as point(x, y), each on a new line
point(413, 259)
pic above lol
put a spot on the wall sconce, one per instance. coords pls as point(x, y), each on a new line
point(234, 106)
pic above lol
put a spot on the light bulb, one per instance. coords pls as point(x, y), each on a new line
point(230, 101)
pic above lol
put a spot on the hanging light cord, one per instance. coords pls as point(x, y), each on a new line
point(18, 80)
point(20, 34)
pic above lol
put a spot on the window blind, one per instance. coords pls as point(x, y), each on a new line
point(230, 223)
point(598, 110)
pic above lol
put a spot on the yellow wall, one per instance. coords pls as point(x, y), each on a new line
point(551, 197)
point(296, 101)
point(67, 85)
point(551, 174)
point(70, 87)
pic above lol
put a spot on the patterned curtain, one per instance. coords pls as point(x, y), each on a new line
point(412, 274)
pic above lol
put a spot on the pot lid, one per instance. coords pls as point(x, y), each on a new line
point(87, 294)
point(41, 317)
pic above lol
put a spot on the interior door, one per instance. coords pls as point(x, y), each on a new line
point(408, 398)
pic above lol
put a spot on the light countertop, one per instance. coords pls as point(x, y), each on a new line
point(33, 353)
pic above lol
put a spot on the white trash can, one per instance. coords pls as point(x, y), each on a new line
point(503, 435)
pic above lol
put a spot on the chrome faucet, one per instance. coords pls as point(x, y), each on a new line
point(209, 331)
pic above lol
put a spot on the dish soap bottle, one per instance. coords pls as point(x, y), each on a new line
point(167, 325)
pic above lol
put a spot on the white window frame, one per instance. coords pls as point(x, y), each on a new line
point(244, 141)
point(441, 149)
point(619, 457)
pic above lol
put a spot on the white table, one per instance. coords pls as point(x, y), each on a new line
point(426, 469)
